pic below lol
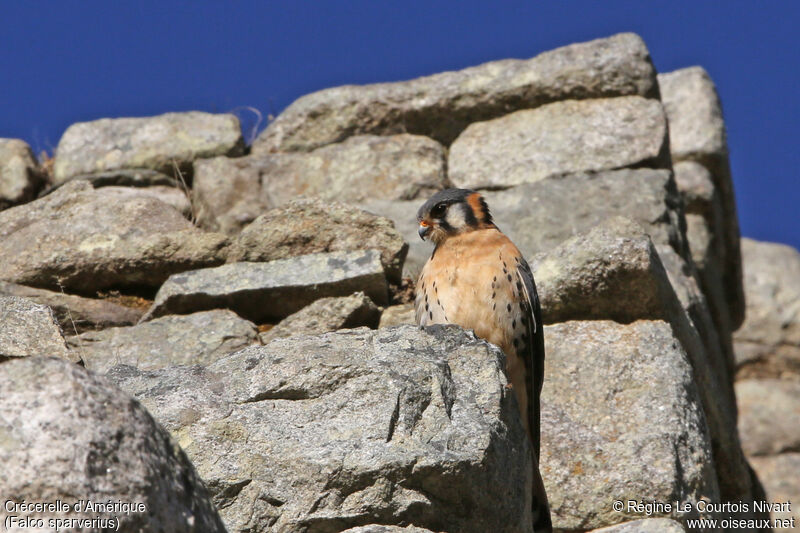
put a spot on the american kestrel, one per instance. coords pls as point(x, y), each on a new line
point(478, 279)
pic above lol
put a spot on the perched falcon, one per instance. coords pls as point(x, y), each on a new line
point(478, 279)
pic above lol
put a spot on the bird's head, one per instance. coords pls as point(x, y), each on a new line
point(451, 212)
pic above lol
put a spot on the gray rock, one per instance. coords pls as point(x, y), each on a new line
point(780, 475)
point(263, 292)
point(171, 196)
point(196, 339)
point(442, 105)
point(540, 216)
point(396, 315)
point(713, 374)
point(647, 525)
point(80, 239)
point(560, 138)
point(76, 312)
point(768, 343)
point(325, 315)
point(66, 434)
point(769, 416)
point(611, 272)
point(158, 143)
point(232, 192)
point(697, 133)
point(28, 329)
point(696, 126)
point(308, 226)
point(399, 425)
point(20, 178)
point(705, 232)
point(621, 419)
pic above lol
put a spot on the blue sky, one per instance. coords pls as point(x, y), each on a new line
point(64, 62)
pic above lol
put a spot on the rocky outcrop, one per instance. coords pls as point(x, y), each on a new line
point(196, 339)
point(163, 143)
point(442, 105)
point(309, 226)
point(617, 193)
point(83, 240)
point(325, 315)
point(267, 291)
point(69, 435)
point(560, 138)
point(28, 329)
point(395, 426)
point(20, 177)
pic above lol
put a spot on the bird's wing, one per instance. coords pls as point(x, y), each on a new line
point(533, 351)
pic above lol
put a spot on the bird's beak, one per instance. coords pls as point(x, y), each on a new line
point(424, 229)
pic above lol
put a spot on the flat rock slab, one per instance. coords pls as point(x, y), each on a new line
point(20, 177)
point(324, 433)
point(83, 240)
point(76, 312)
point(442, 105)
point(780, 476)
point(769, 416)
point(621, 419)
point(560, 138)
point(325, 315)
point(66, 434)
point(307, 226)
point(158, 143)
point(196, 339)
point(769, 340)
point(263, 292)
point(29, 329)
point(396, 167)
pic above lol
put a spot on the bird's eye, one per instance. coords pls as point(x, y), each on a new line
point(439, 209)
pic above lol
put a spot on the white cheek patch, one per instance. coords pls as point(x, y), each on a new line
point(456, 216)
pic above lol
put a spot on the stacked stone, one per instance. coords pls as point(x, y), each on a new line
point(228, 314)
point(767, 348)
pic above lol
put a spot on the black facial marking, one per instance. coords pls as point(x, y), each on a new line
point(514, 323)
point(493, 295)
point(508, 306)
point(430, 314)
point(509, 277)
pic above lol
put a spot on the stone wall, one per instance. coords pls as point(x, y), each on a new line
point(181, 269)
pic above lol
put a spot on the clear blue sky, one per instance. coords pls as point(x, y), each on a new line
point(64, 62)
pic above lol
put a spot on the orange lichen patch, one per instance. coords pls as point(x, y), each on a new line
point(265, 327)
